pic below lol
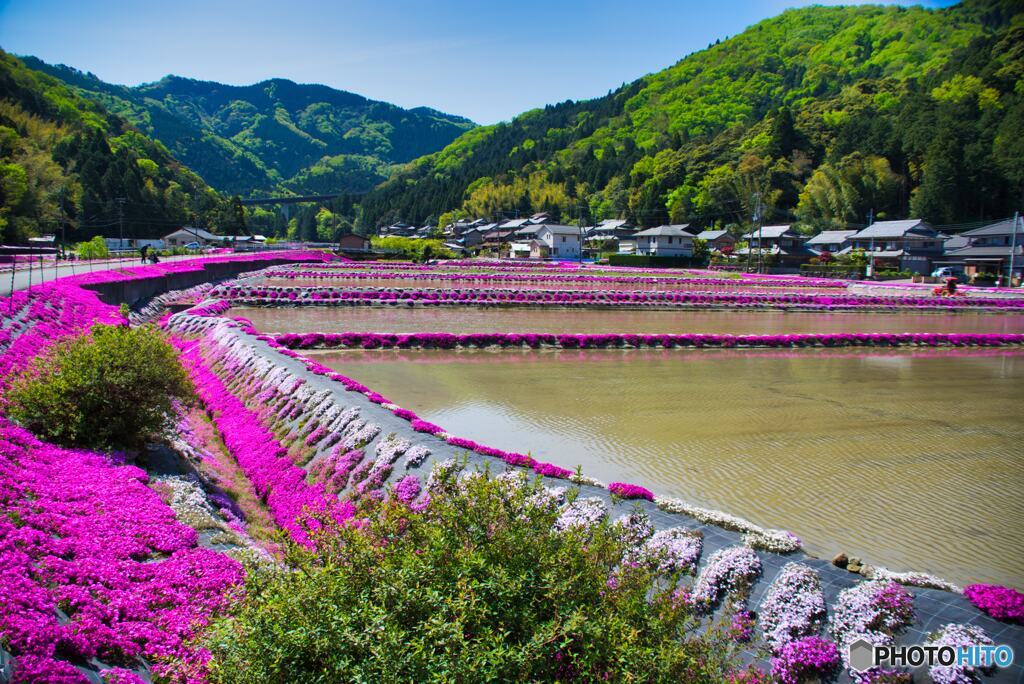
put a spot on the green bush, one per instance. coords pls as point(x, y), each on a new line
point(476, 588)
point(93, 249)
point(110, 389)
point(413, 248)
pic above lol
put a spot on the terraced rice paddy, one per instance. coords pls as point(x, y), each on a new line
point(912, 459)
point(480, 319)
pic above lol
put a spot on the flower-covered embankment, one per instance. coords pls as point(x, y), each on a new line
point(425, 340)
point(261, 456)
point(93, 564)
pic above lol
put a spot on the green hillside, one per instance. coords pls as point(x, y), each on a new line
point(823, 113)
point(61, 154)
point(273, 136)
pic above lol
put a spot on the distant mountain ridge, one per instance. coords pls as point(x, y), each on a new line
point(272, 136)
point(820, 114)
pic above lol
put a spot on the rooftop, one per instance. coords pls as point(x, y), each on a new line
point(678, 230)
point(894, 229)
point(768, 232)
point(1004, 227)
point(828, 237)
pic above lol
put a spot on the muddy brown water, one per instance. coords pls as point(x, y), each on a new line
point(912, 459)
point(464, 319)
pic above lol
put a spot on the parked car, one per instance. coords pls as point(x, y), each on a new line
point(949, 272)
point(193, 245)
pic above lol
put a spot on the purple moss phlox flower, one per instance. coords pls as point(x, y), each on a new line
point(1002, 603)
point(808, 658)
point(630, 491)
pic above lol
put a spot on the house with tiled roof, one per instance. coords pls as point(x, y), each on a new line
point(910, 245)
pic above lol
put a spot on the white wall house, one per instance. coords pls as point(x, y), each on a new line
point(184, 236)
point(563, 242)
point(665, 241)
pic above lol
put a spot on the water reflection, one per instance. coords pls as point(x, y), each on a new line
point(912, 459)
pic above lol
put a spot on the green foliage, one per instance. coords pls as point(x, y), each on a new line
point(110, 389)
point(62, 156)
point(413, 248)
point(95, 248)
point(274, 136)
point(825, 112)
point(843, 193)
point(476, 588)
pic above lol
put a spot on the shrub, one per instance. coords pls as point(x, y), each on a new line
point(475, 587)
point(93, 249)
point(105, 390)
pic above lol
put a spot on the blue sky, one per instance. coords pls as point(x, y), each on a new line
point(485, 60)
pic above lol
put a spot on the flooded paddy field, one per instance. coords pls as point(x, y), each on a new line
point(912, 459)
point(536, 284)
point(579, 320)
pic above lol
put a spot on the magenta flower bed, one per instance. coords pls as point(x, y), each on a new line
point(1002, 603)
point(358, 340)
point(805, 659)
point(630, 491)
point(477, 297)
point(85, 535)
point(261, 456)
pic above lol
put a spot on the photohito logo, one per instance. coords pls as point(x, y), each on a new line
point(863, 655)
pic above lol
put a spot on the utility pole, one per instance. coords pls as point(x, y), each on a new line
point(760, 232)
point(871, 255)
point(1013, 246)
point(60, 219)
point(120, 220)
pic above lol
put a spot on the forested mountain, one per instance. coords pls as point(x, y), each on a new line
point(819, 115)
point(62, 155)
point(273, 136)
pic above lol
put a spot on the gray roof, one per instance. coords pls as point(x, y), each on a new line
point(527, 230)
point(196, 232)
point(956, 242)
point(559, 229)
point(611, 224)
point(893, 229)
point(829, 237)
point(1004, 227)
point(768, 232)
point(515, 223)
point(678, 230)
point(985, 251)
point(712, 234)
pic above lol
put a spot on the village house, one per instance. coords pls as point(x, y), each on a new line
point(188, 235)
point(781, 242)
point(556, 242)
point(351, 241)
point(987, 250)
point(671, 240)
point(909, 245)
point(717, 240)
point(611, 229)
point(831, 241)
